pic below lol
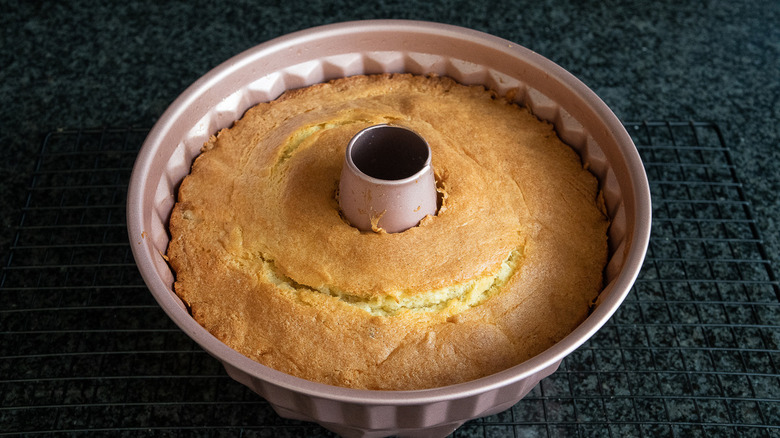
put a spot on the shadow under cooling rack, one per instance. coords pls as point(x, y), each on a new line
point(693, 351)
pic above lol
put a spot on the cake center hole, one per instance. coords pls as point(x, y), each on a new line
point(389, 152)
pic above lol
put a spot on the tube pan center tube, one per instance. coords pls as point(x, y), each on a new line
point(387, 180)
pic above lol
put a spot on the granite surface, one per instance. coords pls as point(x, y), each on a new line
point(95, 64)
point(69, 65)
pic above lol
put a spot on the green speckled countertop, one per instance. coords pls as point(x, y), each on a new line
point(86, 64)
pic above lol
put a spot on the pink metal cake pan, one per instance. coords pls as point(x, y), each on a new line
point(311, 56)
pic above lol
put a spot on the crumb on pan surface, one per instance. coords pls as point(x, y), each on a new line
point(507, 267)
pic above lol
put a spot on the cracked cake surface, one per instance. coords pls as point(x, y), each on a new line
point(508, 266)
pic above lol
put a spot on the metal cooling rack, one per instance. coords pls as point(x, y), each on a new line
point(693, 351)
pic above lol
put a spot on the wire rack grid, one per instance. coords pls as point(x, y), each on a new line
point(693, 351)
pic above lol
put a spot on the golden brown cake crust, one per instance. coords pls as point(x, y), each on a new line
point(507, 268)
